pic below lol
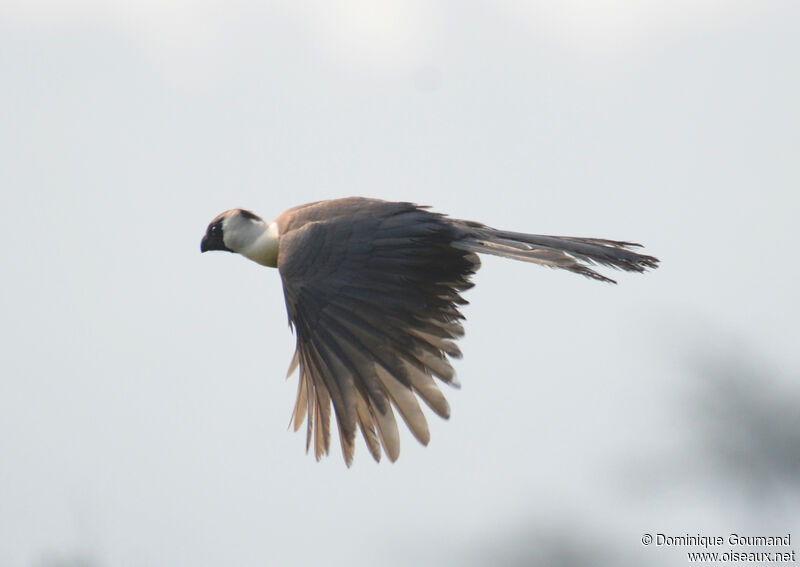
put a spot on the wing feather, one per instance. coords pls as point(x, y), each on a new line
point(406, 404)
point(367, 426)
point(373, 296)
point(301, 405)
point(387, 431)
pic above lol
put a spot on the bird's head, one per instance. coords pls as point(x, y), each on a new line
point(244, 232)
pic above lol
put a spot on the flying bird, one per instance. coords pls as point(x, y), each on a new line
point(373, 290)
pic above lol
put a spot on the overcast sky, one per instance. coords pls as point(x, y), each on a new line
point(143, 406)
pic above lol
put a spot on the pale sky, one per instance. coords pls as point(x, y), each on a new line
point(143, 406)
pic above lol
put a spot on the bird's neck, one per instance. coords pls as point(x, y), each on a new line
point(264, 249)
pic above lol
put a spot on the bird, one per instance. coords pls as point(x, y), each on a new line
point(373, 291)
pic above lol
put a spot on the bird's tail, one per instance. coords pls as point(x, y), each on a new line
point(567, 253)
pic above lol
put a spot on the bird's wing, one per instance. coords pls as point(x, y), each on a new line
point(373, 294)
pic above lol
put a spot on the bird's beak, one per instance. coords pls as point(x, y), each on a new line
point(213, 241)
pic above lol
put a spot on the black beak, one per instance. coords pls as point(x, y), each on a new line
point(213, 239)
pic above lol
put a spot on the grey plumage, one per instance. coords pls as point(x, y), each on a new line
point(373, 291)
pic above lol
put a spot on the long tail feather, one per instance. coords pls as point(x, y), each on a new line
point(564, 252)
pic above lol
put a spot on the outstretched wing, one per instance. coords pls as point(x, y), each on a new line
point(373, 294)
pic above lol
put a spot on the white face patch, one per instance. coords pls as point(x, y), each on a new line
point(240, 231)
